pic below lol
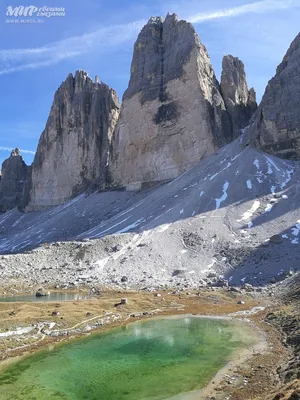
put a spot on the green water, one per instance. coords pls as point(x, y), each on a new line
point(155, 359)
point(31, 298)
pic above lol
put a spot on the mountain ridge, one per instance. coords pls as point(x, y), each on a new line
point(173, 114)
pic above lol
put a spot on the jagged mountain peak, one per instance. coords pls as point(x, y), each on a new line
point(14, 173)
point(15, 152)
point(173, 113)
point(240, 102)
point(73, 149)
point(276, 127)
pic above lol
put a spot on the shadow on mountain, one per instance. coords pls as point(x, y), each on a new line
point(271, 261)
point(239, 185)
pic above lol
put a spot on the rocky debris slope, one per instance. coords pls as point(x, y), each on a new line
point(287, 320)
point(290, 324)
point(276, 128)
point(19, 231)
point(234, 217)
point(73, 150)
point(172, 113)
point(13, 177)
point(239, 101)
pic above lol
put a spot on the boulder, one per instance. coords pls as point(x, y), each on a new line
point(55, 313)
point(235, 289)
point(221, 283)
point(178, 272)
point(248, 287)
point(277, 239)
point(41, 292)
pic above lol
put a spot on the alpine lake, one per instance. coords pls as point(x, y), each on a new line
point(155, 359)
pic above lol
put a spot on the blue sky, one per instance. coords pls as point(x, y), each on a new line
point(98, 36)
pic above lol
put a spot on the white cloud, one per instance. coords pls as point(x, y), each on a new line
point(19, 59)
point(115, 35)
point(257, 7)
point(9, 149)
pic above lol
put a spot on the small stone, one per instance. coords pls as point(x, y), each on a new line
point(240, 302)
point(248, 287)
point(212, 274)
point(55, 313)
point(178, 272)
point(222, 283)
point(116, 248)
point(234, 289)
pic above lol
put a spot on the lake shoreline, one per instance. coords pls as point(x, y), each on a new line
point(242, 327)
point(215, 385)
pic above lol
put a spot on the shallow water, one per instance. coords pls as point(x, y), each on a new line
point(151, 360)
point(31, 298)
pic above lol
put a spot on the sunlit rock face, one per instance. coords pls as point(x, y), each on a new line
point(73, 150)
point(173, 114)
point(276, 128)
point(13, 177)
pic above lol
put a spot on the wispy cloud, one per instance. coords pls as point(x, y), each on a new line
point(113, 36)
point(20, 59)
point(9, 149)
point(257, 7)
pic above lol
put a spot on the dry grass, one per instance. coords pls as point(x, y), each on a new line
point(72, 312)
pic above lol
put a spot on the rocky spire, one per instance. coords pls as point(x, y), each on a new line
point(276, 127)
point(73, 150)
point(240, 102)
point(172, 114)
point(13, 178)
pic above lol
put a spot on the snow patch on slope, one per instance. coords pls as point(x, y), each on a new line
point(223, 197)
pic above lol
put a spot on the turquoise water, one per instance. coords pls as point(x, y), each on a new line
point(152, 360)
point(31, 298)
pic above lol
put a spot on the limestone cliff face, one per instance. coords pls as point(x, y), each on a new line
point(13, 177)
point(276, 127)
point(240, 102)
point(172, 114)
point(73, 150)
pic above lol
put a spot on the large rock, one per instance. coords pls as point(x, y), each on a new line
point(13, 178)
point(173, 114)
point(240, 102)
point(276, 128)
point(73, 150)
